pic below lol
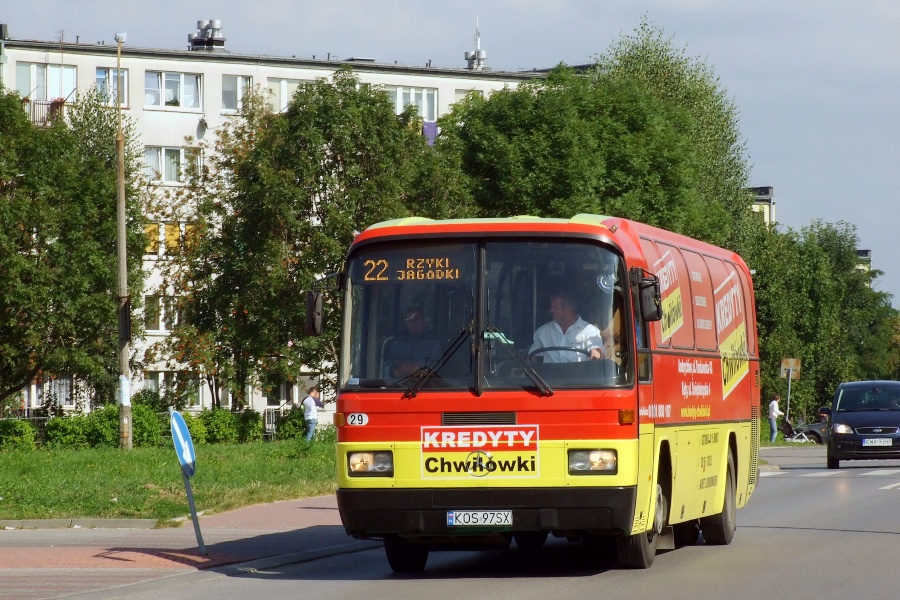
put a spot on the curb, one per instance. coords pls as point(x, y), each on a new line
point(78, 524)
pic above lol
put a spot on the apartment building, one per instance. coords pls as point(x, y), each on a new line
point(174, 93)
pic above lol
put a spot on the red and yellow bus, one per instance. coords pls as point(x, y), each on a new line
point(485, 443)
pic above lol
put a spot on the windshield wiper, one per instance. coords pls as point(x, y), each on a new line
point(427, 372)
point(533, 375)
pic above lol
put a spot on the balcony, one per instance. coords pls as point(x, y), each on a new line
point(43, 112)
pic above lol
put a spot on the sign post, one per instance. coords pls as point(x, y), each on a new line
point(184, 449)
point(790, 369)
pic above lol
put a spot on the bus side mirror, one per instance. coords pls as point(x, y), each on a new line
point(651, 309)
point(313, 324)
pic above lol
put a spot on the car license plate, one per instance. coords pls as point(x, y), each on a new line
point(482, 518)
point(877, 442)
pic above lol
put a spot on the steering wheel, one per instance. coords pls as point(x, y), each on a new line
point(551, 348)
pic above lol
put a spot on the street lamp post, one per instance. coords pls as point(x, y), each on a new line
point(124, 308)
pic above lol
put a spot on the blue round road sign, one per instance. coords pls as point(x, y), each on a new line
point(184, 446)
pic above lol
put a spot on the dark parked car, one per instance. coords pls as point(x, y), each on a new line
point(864, 422)
point(816, 432)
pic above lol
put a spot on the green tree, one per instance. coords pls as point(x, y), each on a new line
point(570, 143)
point(648, 57)
point(816, 304)
point(280, 200)
point(646, 133)
point(58, 245)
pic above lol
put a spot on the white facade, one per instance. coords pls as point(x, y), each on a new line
point(172, 94)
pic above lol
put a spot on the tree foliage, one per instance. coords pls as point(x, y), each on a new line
point(283, 197)
point(815, 303)
point(58, 245)
point(713, 130)
point(647, 133)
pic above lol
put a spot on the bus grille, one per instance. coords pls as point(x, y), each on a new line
point(754, 444)
point(479, 418)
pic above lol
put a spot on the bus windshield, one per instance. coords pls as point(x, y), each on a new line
point(504, 314)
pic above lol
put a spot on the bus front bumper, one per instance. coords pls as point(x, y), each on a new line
point(368, 513)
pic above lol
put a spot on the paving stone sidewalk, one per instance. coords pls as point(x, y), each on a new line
point(47, 560)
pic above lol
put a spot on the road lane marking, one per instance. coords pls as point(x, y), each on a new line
point(820, 474)
point(890, 487)
point(770, 473)
point(883, 472)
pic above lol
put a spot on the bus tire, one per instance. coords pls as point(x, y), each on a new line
point(718, 530)
point(405, 557)
point(638, 551)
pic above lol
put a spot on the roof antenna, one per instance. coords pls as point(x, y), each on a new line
point(476, 59)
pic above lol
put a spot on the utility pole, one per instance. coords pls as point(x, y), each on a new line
point(124, 308)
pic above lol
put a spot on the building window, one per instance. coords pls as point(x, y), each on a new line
point(172, 89)
point(151, 381)
point(165, 165)
point(41, 82)
point(151, 233)
point(151, 313)
point(160, 313)
point(461, 94)
point(171, 316)
point(233, 89)
point(174, 236)
point(108, 85)
point(281, 91)
point(58, 390)
point(424, 99)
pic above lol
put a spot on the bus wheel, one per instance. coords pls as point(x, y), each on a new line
point(403, 556)
point(638, 551)
point(718, 530)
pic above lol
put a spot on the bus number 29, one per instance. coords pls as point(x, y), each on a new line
point(357, 419)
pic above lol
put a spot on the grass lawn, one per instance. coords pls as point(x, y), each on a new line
point(146, 482)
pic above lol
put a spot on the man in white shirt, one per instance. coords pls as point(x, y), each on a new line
point(774, 413)
point(569, 330)
point(310, 406)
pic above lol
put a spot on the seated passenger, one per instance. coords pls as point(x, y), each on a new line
point(612, 337)
point(568, 330)
point(411, 351)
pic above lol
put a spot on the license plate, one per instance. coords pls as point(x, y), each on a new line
point(877, 442)
point(479, 518)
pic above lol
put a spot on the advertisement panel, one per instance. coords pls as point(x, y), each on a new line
point(463, 452)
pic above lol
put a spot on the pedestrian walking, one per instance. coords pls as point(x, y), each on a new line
point(774, 413)
point(311, 405)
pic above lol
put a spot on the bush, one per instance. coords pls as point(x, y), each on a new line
point(221, 426)
point(16, 434)
point(103, 427)
point(250, 426)
point(67, 432)
point(146, 426)
point(290, 425)
point(196, 428)
point(326, 435)
point(150, 399)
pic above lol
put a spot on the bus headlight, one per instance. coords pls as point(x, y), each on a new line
point(586, 462)
point(370, 464)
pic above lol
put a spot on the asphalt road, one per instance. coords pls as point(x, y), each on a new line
point(808, 532)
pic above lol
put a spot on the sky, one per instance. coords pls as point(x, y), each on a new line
point(816, 82)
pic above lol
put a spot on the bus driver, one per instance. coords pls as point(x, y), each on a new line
point(567, 329)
